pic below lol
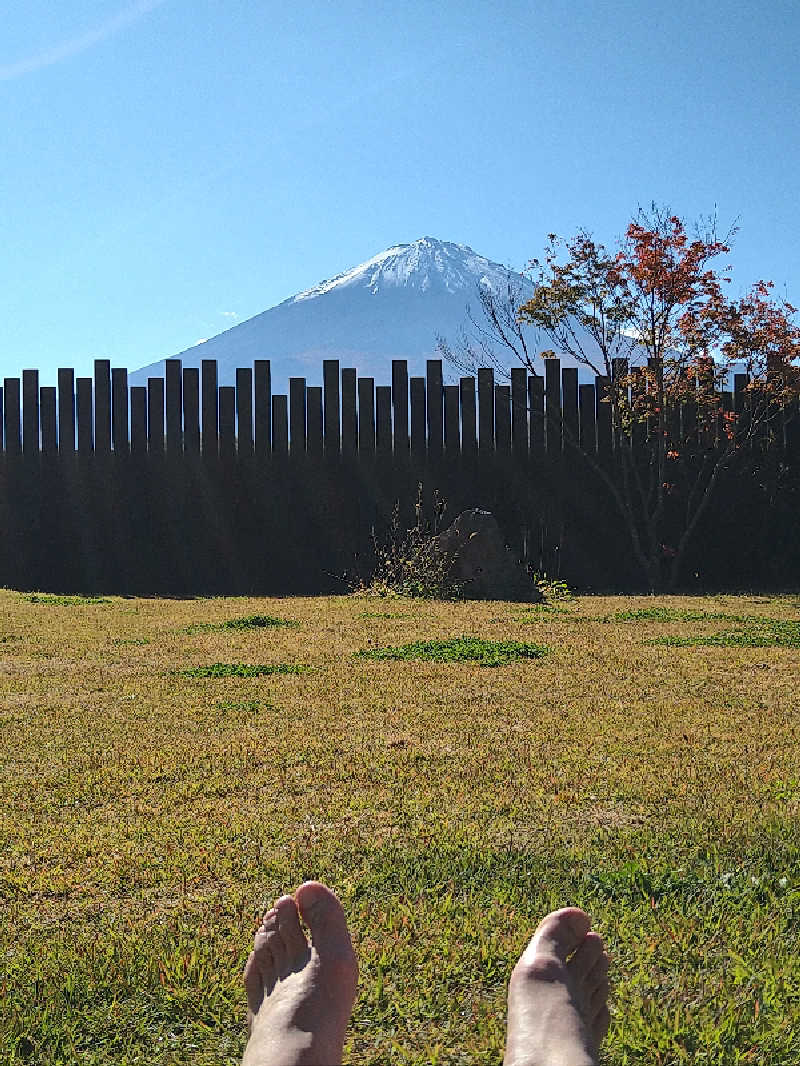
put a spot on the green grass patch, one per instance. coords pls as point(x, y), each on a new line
point(749, 630)
point(65, 601)
point(241, 705)
point(546, 612)
point(545, 608)
point(252, 621)
point(137, 641)
point(769, 633)
point(460, 649)
point(243, 670)
point(674, 614)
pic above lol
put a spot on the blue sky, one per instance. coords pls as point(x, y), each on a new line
point(172, 167)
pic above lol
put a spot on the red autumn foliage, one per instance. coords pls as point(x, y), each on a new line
point(654, 318)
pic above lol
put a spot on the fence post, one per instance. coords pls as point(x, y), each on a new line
point(588, 419)
point(569, 403)
point(102, 406)
point(191, 410)
point(519, 412)
point(244, 411)
point(619, 370)
point(210, 401)
point(366, 416)
point(434, 398)
point(418, 436)
point(469, 435)
point(119, 409)
point(792, 432)
point(603, 409)
point(174, 399)
point(330, 381)
point(66, 410)
point(47, 414)
point(349, 419)
point(725, 407)
point(262, 381)
point(138, 420)
point(30, 412)
point(297, 415)
point(638, 429)
point(11, 420)
point(552, 397)
point(689, 414)
point(536, 401)
point(740, 383)
point(314, 420)
point(280, 426)
point(451, 429)
point(83, 406)
point(400, 405)
point(227, 423)
point(155, 415)
point(383, 419)
point(502, 419)
point(485, 410)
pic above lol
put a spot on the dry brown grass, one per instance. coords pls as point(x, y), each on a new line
point(172, 808)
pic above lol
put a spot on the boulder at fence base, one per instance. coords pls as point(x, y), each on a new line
point(481, 562)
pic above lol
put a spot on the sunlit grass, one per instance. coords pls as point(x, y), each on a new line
point(252, 621)
point(459, 650)
point(146, 818)
point(243, 670)
point(65, 601)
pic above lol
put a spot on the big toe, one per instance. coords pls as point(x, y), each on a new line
point(323, 914)
point(560, 933)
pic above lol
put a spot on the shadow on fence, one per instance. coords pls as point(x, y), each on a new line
point(186, 488)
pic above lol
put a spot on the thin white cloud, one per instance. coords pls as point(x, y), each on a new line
point(229, 314)
point(82, 43)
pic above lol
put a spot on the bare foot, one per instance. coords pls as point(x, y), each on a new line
point(557, 1009)
point(300, 996)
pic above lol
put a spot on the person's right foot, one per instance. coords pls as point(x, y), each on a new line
point(557, 996)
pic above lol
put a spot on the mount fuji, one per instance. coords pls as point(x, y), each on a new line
point(393, 306)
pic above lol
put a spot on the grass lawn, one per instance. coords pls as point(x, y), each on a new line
point(167, 768)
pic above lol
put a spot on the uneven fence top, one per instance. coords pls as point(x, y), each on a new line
point(187, 411)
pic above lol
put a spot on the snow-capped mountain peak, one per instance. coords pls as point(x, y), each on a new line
point(393, 306)
point(425, 264)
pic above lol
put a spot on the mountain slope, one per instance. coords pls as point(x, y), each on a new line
point(393, 306)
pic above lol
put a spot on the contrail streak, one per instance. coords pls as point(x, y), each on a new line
point(76, 45)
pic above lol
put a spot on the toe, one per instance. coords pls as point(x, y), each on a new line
point(275, 945)
point(600, 1026)
point(560, 933)
point(598, 999)
point(587, 956)
point(259, 971)
point(288, 926)
point(253, 981)
point(322, 912)
point(257, 976)
point(598, 972)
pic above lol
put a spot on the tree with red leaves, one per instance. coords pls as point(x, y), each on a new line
point(653, 318)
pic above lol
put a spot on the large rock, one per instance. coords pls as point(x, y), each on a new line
point(481, 562)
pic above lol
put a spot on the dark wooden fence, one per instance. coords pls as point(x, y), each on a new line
point(184, 486)
point(188, 412)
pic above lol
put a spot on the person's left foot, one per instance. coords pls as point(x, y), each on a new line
point(300, 996)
